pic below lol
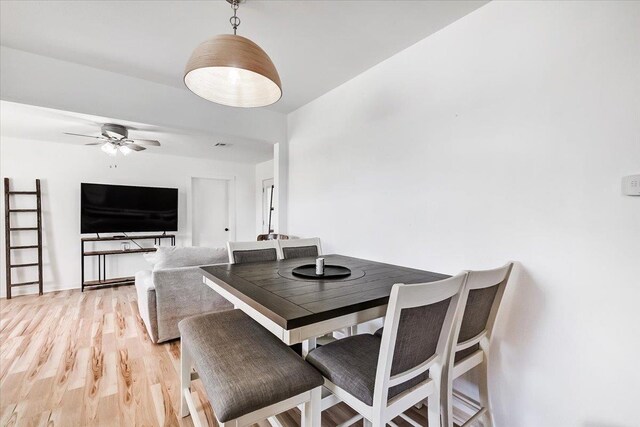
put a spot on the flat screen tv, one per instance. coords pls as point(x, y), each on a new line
point(123, 208)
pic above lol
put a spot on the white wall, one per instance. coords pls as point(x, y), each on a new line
point(264, 171)
point(503, 136)
point(62, 167)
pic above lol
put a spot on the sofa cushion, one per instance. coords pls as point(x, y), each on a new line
point(173, 257)
point(151, 257)
point(144, 280)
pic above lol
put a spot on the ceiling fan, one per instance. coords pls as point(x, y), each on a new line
point(115, 138)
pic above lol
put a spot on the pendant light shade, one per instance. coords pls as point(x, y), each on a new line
point(232, 70)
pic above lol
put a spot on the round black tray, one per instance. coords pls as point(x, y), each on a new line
point(330, 271)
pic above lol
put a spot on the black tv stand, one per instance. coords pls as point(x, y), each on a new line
point(102, 257)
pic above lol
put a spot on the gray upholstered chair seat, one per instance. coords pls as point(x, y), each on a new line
point(243, 367)
point(351, 363)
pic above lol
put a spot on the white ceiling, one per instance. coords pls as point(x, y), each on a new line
point(48, 125)
point(316, 45)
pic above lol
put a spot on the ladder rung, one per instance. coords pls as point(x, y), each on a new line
point(31, 264)
point(24, 247)
point(24, 283)
point(23, 228)
point(23, 192)
point(23, 210)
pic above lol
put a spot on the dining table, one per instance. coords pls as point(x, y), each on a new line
point(300, 309)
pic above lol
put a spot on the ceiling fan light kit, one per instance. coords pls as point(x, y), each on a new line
point(109, 148)
point(115, 138)
point(232, 70)
point(112, 149)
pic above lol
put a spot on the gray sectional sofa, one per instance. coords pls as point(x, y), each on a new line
point(173, 289)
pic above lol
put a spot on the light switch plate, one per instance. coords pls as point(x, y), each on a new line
point(631, 185)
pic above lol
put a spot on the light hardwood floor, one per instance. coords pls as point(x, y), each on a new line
point(84, 359)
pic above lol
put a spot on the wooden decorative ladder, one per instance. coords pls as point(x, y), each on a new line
point(9, 247)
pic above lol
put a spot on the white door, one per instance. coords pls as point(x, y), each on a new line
point(210, 212)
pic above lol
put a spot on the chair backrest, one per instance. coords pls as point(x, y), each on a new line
point(243, 252)
point(480, 301)
point(299, 248)
point(417, 330)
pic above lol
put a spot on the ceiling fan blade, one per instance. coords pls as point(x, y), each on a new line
point(94, 143)
point(134, 147)
point(152, 142)
point(86, 136)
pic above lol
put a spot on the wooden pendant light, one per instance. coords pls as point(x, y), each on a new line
point(232, 70)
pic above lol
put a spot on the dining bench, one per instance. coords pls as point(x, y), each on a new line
point(248, 373)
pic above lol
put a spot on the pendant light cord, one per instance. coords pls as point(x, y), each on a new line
point(234, 20)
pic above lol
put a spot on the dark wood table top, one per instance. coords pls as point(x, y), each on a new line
point(295, 302)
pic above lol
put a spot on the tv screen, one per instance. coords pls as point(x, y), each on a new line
point(121, 208)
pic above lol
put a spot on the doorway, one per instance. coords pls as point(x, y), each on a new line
point(212, 212)
point(267, 199)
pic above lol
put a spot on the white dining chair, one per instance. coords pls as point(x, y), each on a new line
point(471, 339)
point(243, 252)
point(381, 377)
point(299, 248)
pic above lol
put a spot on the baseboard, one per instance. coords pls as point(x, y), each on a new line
point(22, 291)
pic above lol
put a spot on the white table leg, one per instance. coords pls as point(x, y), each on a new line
point(308, 345)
